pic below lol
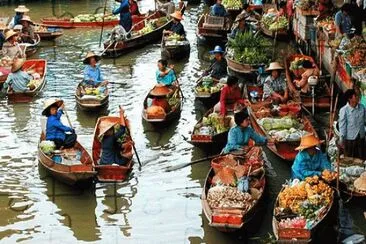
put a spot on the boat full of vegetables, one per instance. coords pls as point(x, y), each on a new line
point(208, 86)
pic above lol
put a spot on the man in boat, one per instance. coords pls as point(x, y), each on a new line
point(351, 122)
point(310, 70)
point(168, 7)
point(230, 97)
point(92, 73)
point(62, 135)
point(218, 68)
point(239, 135)
point(342, 20)
point(241, 27)
point(134, 8)
point(11, 47)
point(19, 12)
point(275, 86)
point(27, 30)
point(218, 9)
point(164, 75)
point(177, 26)
point(17, 80)
point(125, 18)
point(115, 147)
point(310, 161)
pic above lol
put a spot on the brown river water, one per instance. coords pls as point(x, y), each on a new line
point(152, 206)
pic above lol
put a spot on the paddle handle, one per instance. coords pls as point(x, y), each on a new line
point(68, 118)
point(101, 32)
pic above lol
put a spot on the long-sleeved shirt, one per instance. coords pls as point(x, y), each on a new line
point(55, 130)
point(168, 7)
point(15, 20)
point(343, 22)
point(239, 137)
point(218, 69)
point(134, 8)
point(93, 74)
point(273, 85)
point(167, 79)
point(218, 10)
point(178, 29)
point(352, 121)
point(229, 97)
point(306, 165)
point(125, 18)
point(12, 50)
point(111, 149)
point(18, 81)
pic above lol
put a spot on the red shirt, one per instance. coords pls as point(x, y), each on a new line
point(229, 97)
point(134, 8)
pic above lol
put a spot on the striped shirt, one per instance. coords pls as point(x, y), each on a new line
point(352, 121)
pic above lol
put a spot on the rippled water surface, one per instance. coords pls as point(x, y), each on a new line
point(152, 206)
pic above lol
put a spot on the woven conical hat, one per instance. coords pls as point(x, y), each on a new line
point(177, 15)
point(21, 9)
point(274, 66)
point(160, 90)
point(27, 18)
point(10, 33)
point(89, 55)
point(49, 102)
point(308, 141)
point(17, 64)
point(106, 124)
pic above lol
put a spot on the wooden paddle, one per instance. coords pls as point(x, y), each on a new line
point(121, 114)
point(68, 118)
point(180, 90)
point(101, 32)
point(180, 166)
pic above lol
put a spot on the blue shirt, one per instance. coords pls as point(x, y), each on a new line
point(18, 81)
point(178, 29)
point(343, 21)
point(55, 130)
point(167, 79)
point(218, 10)
point(239, 137)
point(306, 165)
point(352, 121)
point(15, 20)
point(93, 74)
point(125, 18)
point(111, 149)
point(218, 68)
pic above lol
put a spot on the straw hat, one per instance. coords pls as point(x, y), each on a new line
point(89, 55)
point(21, 9)
point(177, 15)
point(27, 18)
point(160, 90)
point(274, 66)
point(17, 64)
point(217, 49)
point(48, 103)
point(308, 141)
point(10, 33)
point(360, 183)
point(106, 125)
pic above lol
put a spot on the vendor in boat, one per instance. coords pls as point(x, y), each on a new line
point(239, 135)
point(125, 17)
point(11, 47)
point(115, 149)
point(27, 30)
point(62, 135)
point(177, 26)
point(310, 161)
point(351, 122)
point(218, 9)
point(165, 75)
point(342, 20)
point(134, 8)
point(218, 68)
point(17, 80)
point(310, 70)
point(230, 97)
point(19, 12)
point(92, 73)
point(241, 27)
point(168, 7)
point(275, 86)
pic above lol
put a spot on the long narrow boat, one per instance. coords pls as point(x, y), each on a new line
point(71, 171)
point(175, 49)
point(213, 30)
point(322, 99)
point(239, 67)
point(233, 219)
point(33, 66)
point(110, 173)
point(47, 33)
point(173, 114)
point(91, 102)
point(117, 48)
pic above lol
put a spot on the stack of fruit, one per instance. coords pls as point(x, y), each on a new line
point(232, 4)
point(273, 22)
point(208, 86)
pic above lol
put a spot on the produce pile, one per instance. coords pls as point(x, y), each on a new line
point(175, 39)
point(238, 182)
point(354, 50)
point(208, 86)
point(297, 63)
point(47, 147)
point(40, 28)
point(151, 25)
point(326, 24)
point(212, 124)
point(97, 91)
point(232, 4)
point(249, 49)
point(93, 18)
point(273, 22)
point(6, 62)
point(301, 204)
point(306, 4)
point(174, 101)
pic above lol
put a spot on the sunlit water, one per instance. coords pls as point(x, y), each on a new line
point(152, 206)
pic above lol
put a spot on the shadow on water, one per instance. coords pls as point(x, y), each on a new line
point(88, 119)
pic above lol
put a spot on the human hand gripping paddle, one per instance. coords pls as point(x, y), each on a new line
point(123, 121)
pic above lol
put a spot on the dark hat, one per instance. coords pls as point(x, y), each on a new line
point(239, 117)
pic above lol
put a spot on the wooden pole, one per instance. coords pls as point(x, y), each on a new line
point(101, 32)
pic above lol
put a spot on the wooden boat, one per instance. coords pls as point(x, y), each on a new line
point(175, 50)
point(206, 97)
point(31, 48)
point(168, 117)
point(218, 140)
point(70, 171)
point(239, 67)
point(110, 173)
point(39, 66)
point(321, 101)
point(48, 33)
point(118, 48)
point(285, 149)
point(233, 219)
point(89, 102)
point(70, 23)
point(212, 29)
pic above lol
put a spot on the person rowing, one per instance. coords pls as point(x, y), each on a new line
point(177, 26)
point(218, 68)
point(19, 12)
point(165, 75)
point(125, 17)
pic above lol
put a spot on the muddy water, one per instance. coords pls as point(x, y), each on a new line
point(152, 206)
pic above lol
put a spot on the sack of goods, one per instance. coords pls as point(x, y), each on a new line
point(155, 112)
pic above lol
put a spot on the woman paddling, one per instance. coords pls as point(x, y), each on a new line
point(165, 75)
point(177, 26)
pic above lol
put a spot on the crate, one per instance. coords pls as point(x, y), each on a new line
point(214, 20)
